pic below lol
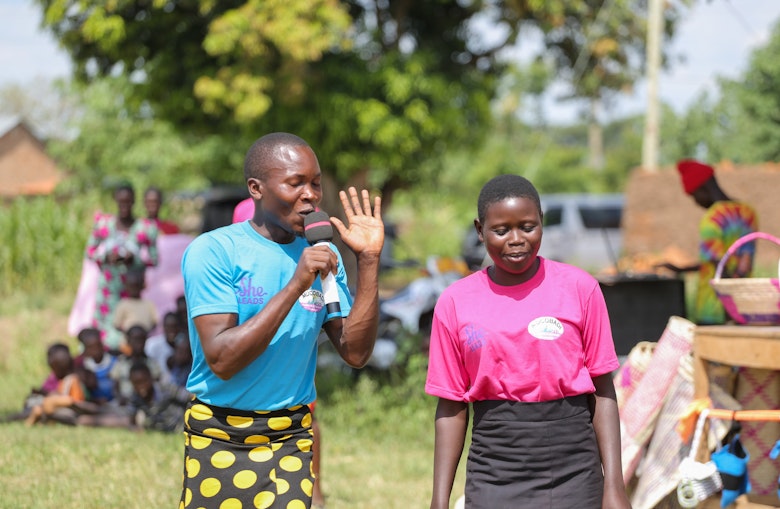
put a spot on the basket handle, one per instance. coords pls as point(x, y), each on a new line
point(739, 243)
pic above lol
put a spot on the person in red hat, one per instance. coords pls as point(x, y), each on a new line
point(724, 221)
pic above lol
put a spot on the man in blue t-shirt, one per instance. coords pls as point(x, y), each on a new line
point(256, 306)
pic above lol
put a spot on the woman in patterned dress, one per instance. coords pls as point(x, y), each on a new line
point(118, 244)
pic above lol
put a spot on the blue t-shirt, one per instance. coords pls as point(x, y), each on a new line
point(236, 270)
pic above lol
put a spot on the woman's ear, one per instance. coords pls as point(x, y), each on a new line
point(478, 227)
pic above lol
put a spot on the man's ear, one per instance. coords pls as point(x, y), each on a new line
point(255, 187)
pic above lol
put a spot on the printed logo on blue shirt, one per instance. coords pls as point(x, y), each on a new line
point(249, 294)
point(545, 327)
point(474, 337)
point(312, 300)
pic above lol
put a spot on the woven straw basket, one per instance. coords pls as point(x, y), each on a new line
point(749, 301)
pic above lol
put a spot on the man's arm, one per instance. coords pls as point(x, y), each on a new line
point(229, 347)
point(354, 336)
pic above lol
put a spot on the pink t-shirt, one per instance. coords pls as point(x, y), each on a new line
point(538, 341)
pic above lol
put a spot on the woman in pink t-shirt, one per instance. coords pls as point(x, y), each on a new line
point(527, 342)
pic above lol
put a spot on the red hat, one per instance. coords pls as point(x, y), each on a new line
point(694, 174)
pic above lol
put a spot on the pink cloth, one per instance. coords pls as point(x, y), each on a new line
point(640, 412)
point(164, 283)
point(244, 210)
point(530, 342)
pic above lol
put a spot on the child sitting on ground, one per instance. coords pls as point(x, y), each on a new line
point(161, 346)
point(156, 406)
point(136, 340)
point(132, 309)
point(60, 404)
point(97, 360)
point(180, 362)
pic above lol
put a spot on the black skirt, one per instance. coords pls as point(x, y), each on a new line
point(534, 455)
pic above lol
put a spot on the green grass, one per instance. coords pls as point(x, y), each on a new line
point(377, 438)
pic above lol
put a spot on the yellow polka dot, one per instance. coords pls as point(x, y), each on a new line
point(230, 503)
point(264, 500)
point(199, 442)
point(296, 407)
point(187, 417)
point(201, 412)
point(186, 439)
point(216, 433)
point(262, 412)
point(257, 439)
point(261, 454)
point(282, 486)
point(239, 422)
point(306, 421)
point(223, 459)
point(279, 423)
point(244, 479)
point(193, 467)
point(296, 504)
point(276, 446)
point(307, 486)
point(181, 505)
point(187, 497)
point(304, 444)
point(210, 487)
point(291, 463)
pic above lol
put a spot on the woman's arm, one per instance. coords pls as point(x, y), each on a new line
point(606, 423)
point(452, 418)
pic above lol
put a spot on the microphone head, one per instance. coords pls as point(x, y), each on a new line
point(317, 227)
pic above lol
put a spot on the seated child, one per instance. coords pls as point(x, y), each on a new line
point(61, 403)
point(160, 347)
point(136, 340)
point(98, 361)
point(131, 310)
point(180, 362)
point(156, 406)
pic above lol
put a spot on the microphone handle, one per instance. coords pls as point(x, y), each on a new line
point(330, 290)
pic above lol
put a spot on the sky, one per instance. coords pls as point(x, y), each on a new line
point(715, 39)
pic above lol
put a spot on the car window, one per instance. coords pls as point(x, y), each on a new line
point(594, 217)
point(553, 216)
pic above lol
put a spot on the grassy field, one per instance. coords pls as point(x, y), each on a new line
point(377, 439)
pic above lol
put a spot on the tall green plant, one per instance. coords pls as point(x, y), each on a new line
point(42, 243)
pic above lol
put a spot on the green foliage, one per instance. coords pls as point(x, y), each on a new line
point(42, 244)
point(119, 140)
point(739, 123)
point(433, 217)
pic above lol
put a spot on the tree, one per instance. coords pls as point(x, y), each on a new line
point(597, 47)
point(374, 87)
point(757, 98)
point(119, 140)
point(44, 105)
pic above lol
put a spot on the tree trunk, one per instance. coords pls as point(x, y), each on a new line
point(595, 137)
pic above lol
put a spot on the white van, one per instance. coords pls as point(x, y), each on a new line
point(579, 228)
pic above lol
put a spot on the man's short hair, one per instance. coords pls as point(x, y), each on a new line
point(262, 154)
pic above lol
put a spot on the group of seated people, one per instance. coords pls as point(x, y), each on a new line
point(141, 384)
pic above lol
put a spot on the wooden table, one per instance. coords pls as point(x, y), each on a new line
point(750, 346)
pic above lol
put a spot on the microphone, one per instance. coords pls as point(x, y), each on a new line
point(317, 229)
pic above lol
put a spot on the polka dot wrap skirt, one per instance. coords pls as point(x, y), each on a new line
point(240, 460)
